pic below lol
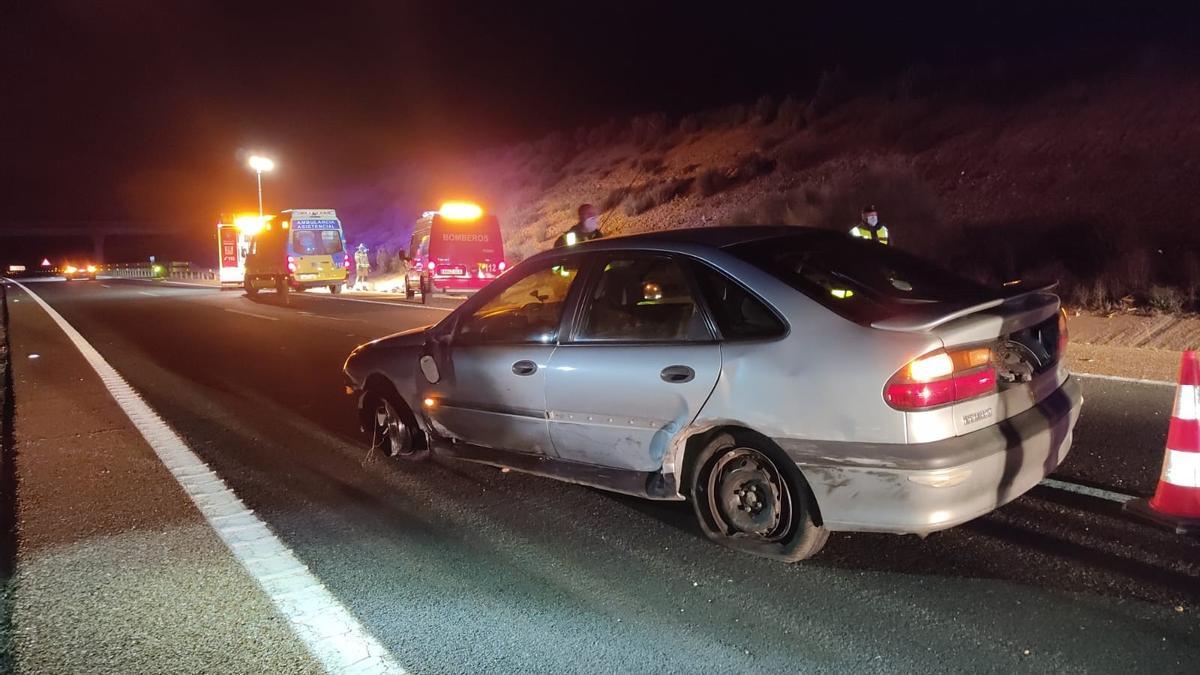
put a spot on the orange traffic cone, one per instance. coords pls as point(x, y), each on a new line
point(1176, 502)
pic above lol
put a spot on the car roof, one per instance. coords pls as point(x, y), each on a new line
point(690, 239)
point(716, 237)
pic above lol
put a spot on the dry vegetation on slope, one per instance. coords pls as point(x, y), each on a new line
point(1091, 181)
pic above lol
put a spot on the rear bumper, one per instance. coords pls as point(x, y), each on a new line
point(461, 283)
point(319, 279)
point(922, 488)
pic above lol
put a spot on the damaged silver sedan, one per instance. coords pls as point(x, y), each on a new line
point(788, 382)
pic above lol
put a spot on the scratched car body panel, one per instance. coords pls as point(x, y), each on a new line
point(908, 400)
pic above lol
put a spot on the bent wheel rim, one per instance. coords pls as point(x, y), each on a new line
point(748, 497)
point(391, 427)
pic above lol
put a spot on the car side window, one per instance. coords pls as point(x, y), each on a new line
point(529, 310)
point(738, 314)
point(643, 299)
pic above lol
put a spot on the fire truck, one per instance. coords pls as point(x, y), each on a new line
point(457, 247)
point(234, 232)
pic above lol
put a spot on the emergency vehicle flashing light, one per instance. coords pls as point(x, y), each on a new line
point(461, 211)
point(251, 225)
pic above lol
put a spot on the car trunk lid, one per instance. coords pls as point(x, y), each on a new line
point(889, 290)
point(1025, 334)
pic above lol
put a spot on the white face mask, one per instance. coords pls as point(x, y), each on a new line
point(872, 220)
point(590, 224)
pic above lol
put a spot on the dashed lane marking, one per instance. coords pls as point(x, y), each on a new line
point(1133, 380)
point(1111, 496)
point(383, 302)
point(313, 315)
point(331, 633)
point(257, 316)
point(213, 287)
point(402, 304)
point(160, 282)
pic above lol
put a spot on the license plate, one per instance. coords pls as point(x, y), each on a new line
point(308, 276)
point(452, 271)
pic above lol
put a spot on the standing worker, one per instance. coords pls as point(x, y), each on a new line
point(588, 227)
point(362, 267)
point(870, 227)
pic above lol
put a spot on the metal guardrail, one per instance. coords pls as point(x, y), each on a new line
point(168, 270)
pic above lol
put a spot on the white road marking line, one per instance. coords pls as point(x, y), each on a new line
point(106, 285)
point(1132, 380)
point(257, 316)
point(1111, 496)
point(331, 633)
point(184, 283)
point(153, 295)
point(158, 282)
point(382, 302)
point(331, 318)
point(318, 295)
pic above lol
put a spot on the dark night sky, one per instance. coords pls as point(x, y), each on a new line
point(123, 109)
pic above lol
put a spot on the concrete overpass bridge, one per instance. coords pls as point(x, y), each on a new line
point(98, 231)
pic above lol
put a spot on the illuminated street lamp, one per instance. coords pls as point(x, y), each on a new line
point(260, 164)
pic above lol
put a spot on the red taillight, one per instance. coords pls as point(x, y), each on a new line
point(502, 266)
point(346, 262)
point(941, 378)
point(429, 265)
point(291, 264)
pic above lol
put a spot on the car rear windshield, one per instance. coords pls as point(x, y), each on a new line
point(861, 280)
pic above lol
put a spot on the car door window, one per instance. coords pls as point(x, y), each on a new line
point(738, 314)
point(529, 310)
point(643, 299)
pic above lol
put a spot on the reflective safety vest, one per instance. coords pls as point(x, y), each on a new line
point(576, 235)
point(879, 234)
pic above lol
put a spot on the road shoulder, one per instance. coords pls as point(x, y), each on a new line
point(115, 569)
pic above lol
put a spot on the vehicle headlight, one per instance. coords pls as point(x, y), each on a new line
point(71, 269)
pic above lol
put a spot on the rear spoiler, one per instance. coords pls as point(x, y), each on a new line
point(930, 316)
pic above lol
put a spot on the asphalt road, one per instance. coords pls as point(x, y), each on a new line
point(461, 568)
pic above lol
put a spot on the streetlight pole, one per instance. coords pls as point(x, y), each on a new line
point(260, 164)
point(260, 209)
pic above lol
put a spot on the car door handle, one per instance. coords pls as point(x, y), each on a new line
point(524, 368)
point(677, 374)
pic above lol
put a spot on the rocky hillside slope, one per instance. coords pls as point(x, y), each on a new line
point(1092, 181)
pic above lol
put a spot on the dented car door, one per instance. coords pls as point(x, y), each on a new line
point(641, 362)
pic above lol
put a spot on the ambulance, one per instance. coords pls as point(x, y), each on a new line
point(298, 250)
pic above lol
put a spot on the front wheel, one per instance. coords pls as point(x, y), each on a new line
point(749, 496)
point(335, 288)
point(251, 290)
point(281, 286)
point(395, 429)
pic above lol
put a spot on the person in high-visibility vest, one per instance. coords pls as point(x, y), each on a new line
point(870, 227)
point(587, 228)
point(362, 267)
